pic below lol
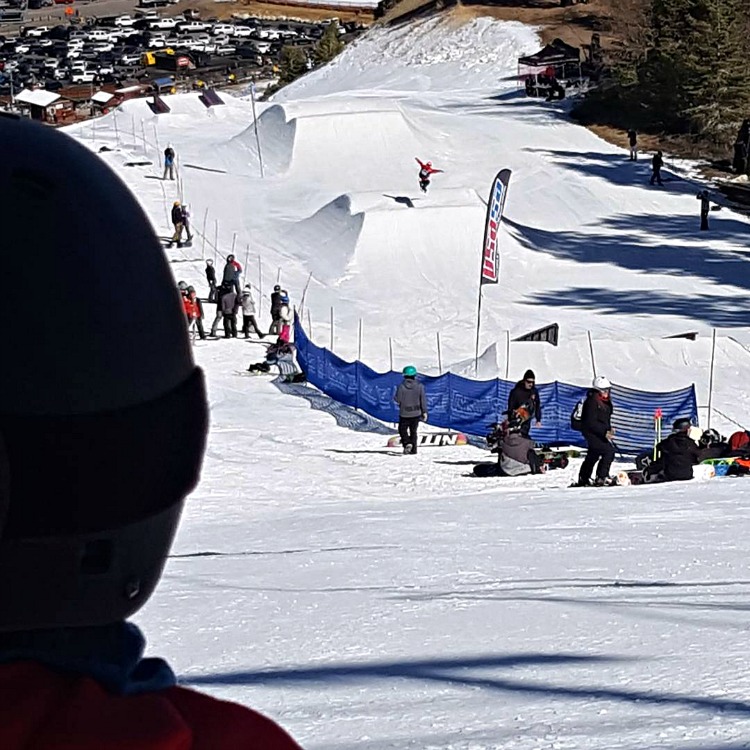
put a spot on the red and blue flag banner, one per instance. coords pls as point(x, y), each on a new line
point(495, 206)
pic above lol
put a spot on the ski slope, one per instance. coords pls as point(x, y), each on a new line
point(370, 600)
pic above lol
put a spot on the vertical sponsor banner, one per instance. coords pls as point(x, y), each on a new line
point(495, 207)
point(490, 273)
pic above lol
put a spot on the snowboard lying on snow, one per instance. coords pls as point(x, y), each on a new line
point(433, 439)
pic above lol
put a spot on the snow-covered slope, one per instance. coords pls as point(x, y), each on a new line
point(375, 601)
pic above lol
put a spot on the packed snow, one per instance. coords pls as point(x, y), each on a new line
point(372, 600)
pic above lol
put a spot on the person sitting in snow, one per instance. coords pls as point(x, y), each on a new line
point(515, 450)
point(676, 455)
point(425, 172)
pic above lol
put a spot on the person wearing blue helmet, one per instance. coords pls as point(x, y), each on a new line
point(412, 407)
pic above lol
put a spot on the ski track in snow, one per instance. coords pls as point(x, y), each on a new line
point(372, 600)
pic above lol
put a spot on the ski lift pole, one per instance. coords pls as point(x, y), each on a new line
point(257, 132)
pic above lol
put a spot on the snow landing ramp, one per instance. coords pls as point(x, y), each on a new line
point(307, 139)
point(395, 239)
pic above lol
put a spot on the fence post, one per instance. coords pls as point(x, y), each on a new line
point(711, 377)
point(439, 354)
point(143, 134)
point(507, 353)
point(247, 257)
point(591, 349)
point(359, 343)
point(309, 325)
point(234, 241)
point(216, 239)
point(390, 351)
point(331, 348)
point(135, 140)
point(278, 276)
point(117, 132)
point(205, 221)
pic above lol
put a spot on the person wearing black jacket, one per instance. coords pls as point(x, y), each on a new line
point(596, 426)
point(679, 453)
point(177, 223)
point(524, 393)
point(211, 279)
point(657, 162)
point(633, 141)
point(276, 305)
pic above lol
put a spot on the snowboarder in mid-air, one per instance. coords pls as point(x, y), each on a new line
point(425, 172)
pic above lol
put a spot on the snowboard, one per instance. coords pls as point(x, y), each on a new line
point(433, 440)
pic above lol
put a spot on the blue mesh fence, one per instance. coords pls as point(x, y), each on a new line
point(469, 406)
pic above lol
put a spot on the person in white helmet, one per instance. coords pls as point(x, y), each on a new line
point(97, 457)
point(596, 426)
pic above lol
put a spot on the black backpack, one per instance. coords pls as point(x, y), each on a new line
point(575, 417)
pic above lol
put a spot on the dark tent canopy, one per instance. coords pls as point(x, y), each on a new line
point(557, 53)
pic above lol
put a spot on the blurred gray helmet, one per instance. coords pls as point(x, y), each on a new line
point(101, 432)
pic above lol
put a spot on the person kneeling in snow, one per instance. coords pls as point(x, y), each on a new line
point(515, 451)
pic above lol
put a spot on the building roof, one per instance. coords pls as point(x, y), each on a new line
point(37, 97)
point(102, 97)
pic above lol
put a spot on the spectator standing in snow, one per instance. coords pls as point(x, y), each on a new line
point(211, 279)
point(194, 311)
point(633, 141)
point(177, 224)
point(524, 393)
point(275, 311)
point(186, 222)
point(412, 407)
point(285, 317)
point(657, 162)
point(168, 162)
point(220, 292)
point(248, 313)
point(596, 426)
point(705, 200)
point(231, 276)
point(229, 307)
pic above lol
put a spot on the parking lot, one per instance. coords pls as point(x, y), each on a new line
point(147, 45)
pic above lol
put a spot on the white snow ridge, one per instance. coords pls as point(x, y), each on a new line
point(375, 601)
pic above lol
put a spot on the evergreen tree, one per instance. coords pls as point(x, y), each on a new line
point(717, 87)
point(292, 65)
point(329, 45)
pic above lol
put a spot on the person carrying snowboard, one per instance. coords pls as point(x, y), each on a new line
point(83, 542)
point(168, 162)
point(596, 426)
point(412, 407)
point(657, 162)
point(525, 394)
point(425, 172)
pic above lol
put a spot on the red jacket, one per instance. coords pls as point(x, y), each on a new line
point(46, 710)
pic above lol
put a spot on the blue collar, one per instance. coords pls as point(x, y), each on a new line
point(110, 654)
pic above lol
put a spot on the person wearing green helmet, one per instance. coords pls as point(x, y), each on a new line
point(412, 407)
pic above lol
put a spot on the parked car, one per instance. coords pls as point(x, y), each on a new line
point(225, 49)
point(124, 21)
point(166, 24)
point(36, 31)
point(83, 76)
point(242, 32)
point(63, 2)
point(192, 27)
